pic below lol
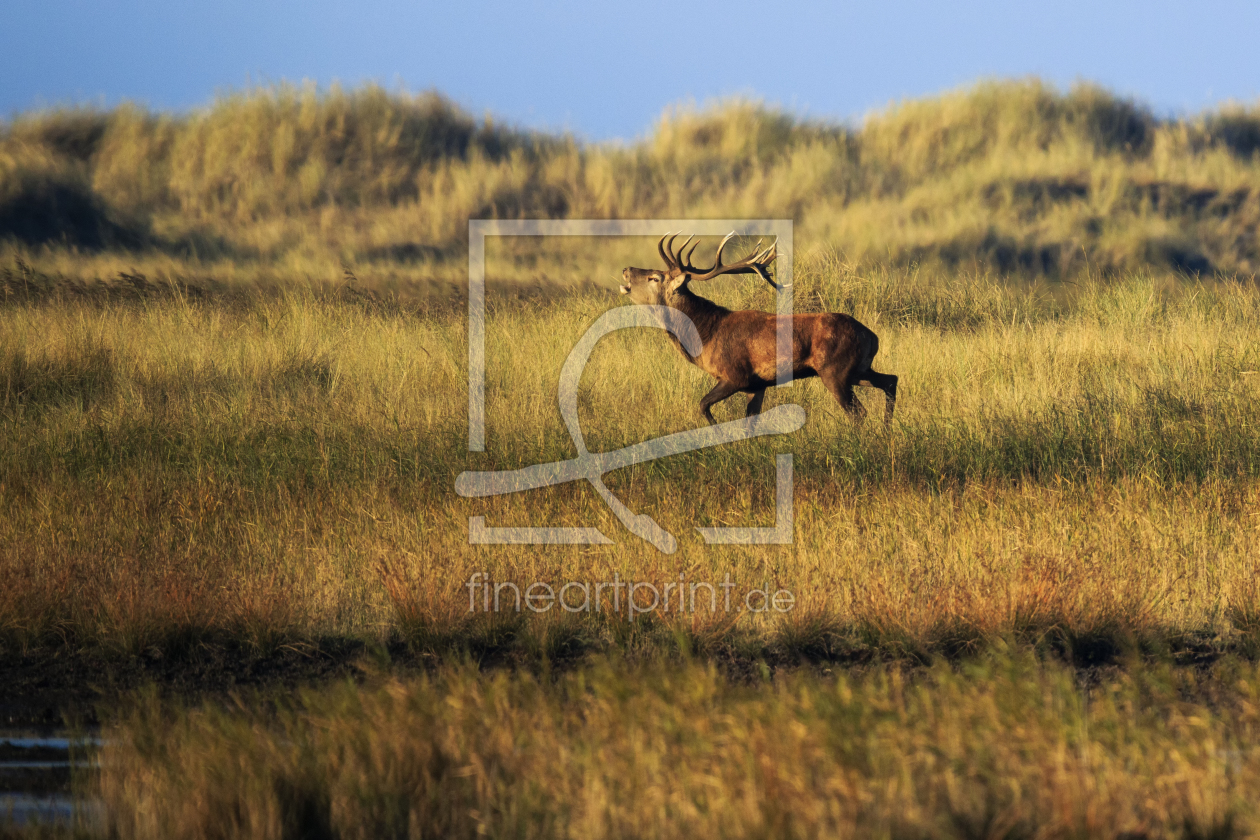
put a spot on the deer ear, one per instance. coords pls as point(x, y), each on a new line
point(678, 282)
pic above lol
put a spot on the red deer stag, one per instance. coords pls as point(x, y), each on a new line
point(739, 348)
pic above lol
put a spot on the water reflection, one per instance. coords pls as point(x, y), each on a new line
point(37, 776)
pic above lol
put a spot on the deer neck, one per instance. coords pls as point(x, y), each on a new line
point(705, 314)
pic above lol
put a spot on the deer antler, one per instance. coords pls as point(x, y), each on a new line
point(755, 263)
point(665, 253)
point(675, 260)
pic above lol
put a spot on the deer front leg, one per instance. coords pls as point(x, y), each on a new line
point(754, 403)
point(720, 391)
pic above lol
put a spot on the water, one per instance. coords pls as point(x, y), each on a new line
point(35, 779)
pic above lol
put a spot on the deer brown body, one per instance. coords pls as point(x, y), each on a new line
point(739, 348)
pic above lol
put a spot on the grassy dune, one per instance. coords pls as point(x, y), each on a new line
point(290, 183)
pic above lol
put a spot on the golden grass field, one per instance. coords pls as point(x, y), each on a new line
point(283, 467)
point(1029, 607)
point(1069, 478)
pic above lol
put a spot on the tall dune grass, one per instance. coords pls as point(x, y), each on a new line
point(1011, 176)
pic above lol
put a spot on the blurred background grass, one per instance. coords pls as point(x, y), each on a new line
point(1011, 176)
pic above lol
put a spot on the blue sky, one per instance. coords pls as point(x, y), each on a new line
point(607, 70)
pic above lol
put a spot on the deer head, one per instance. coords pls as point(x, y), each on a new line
point(655, 287)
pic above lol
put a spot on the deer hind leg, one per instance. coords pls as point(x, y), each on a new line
point(720, 391)
point(839, 382)
point(754, 403)
point(887, 383)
